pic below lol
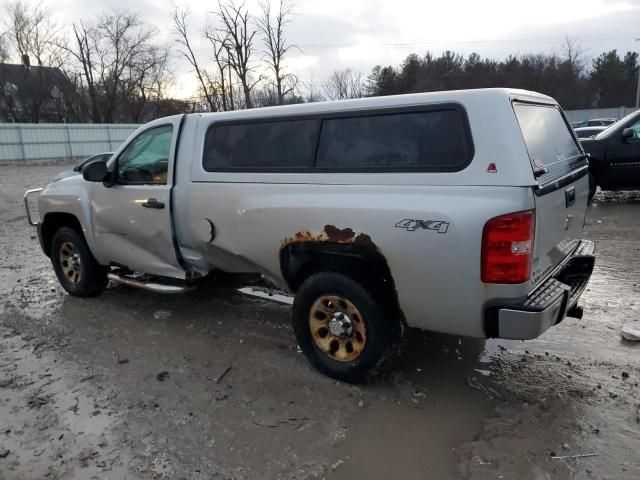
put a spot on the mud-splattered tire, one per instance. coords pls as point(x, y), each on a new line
point(76, 268)
point(331, 303)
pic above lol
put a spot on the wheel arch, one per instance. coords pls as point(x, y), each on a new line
point(344, 252)
point(52, 222)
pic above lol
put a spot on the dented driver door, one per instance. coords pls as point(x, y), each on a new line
point(132, 218)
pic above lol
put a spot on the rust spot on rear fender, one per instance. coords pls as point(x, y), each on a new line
point(365, 240)
point(335, 234)
point(332, 234)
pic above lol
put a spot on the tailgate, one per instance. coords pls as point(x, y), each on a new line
point(561, 196)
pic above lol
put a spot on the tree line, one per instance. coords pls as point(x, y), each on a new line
point(609, 82)
point(116, 68)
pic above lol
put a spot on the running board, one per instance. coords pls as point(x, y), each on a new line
point(268, 294)
point(147, 285)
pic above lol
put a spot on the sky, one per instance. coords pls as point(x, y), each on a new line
point(336, 34)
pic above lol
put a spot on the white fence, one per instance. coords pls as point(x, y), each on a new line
point(582, 115)
point(32, 143)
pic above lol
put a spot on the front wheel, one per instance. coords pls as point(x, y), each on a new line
point(76, 268)
point(339, 326)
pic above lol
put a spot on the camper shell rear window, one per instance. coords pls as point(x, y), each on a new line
point(553, 149)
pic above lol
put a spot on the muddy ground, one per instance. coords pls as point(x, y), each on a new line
point(210, 385)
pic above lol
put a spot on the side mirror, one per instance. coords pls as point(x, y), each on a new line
point(628, 133)
point(95, 171)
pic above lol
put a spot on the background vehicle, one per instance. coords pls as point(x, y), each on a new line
point(615, 155)
point(376, 213)
point(594, 122)
point(585, 132)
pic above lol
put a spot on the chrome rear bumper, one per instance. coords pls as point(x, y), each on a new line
point(548, 304)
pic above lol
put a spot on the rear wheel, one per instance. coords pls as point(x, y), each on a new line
point(77, 270)
point(339, 326)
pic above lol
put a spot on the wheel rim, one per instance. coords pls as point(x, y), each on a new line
point(70, 262)
point(337, 328)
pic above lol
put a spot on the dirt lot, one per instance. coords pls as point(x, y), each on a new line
point(210, 385)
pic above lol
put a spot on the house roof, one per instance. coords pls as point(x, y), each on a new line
point(33, 78)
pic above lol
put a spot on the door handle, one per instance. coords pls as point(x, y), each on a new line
point(153, 203)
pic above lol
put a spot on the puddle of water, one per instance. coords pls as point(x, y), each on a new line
point(420, 416)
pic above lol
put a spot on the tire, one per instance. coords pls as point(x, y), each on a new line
point(371, 331)
point(76, 268)
point(593, 186)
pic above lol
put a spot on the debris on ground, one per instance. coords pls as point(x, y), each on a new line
point(582, 455)
point(223, 374)
point(7, 382)
point(491, 393)
point(148, 405)
point(86, 456)
point(162, 376)
point(36, 401)
point(4, 453)
point(162, 314)
point(631, 333)
point(118, 360)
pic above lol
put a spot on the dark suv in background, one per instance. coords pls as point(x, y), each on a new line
point(615, 155)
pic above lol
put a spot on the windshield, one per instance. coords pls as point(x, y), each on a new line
point(614, 126)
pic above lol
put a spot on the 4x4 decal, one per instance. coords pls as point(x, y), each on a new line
point(412, 225)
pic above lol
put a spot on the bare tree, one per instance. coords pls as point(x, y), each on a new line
point(313, 95)
point(574, 54)
point(148, 75)
point(4, 48)
point(240, 33)
point(35, 34)
point(181, 29)
point(276, 47)
point(219, 45)
point(120, 65)
point(161, 80)
point(123, 41)
point(344, 84)
point(85, 54)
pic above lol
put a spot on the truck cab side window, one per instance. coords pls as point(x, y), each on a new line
point(146, 158)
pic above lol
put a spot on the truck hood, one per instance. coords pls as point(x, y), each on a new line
point(65, 174)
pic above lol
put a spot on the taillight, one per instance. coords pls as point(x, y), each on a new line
point(507, 248)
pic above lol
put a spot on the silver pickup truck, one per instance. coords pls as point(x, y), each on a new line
point(458, 212)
